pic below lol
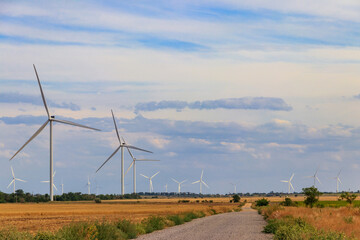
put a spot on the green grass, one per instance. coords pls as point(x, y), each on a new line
point(334, 204)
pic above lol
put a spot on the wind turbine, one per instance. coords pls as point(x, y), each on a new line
point(151, 188)
point(53, 184)
point(14, 179)
point(179, 184)
point(315, 177)
point(62, 187)
point(121, 145)
point(289, 183)
point(234, 184)
point(166, 188)
point(201, 182)
point(133, 164)
point(338, 181)
point(88, 185)
point(50, 120)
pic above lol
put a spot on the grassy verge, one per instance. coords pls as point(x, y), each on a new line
point(120, 230)
point(291, 228)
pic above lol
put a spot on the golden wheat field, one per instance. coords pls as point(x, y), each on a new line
point(52, 216)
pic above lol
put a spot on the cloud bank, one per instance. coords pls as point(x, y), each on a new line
point(251, 103)
point(35, 100)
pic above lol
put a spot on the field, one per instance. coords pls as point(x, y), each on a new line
point(33, 217)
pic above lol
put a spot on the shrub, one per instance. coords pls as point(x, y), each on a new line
point(288, 202)
point(128, 228)
point(45, 236)
point(201, 214)
point(107, 231)
point(176, 219)
point(190, 216)
point(153, 223)
point(97, 200)
point(262, 202)
point(349, 219)
point(348, 197)
point(312, 196)
point(236, 198)
point(13, 234)
point(212, 211)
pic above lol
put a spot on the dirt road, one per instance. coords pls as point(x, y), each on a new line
point(247, 224)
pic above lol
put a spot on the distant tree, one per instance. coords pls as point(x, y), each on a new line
point(312, 196)
point(348, 197)
point(262, 202)
point(236, 198)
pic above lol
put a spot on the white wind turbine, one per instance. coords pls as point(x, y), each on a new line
point(151, 187)
point(179, 184)
point(289, 183)
point(166, 188)
point(201, 181)
point(50, 120)
point(338, 181)
point(62, 187)
point(133, 164)
point(14, 179)
point(121, 145)
point(88, 184)
point(315, 177)
point(234, 184)
point(53, 184)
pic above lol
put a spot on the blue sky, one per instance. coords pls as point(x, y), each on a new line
point(249, 91)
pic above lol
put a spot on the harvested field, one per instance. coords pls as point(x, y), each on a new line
point(52, 216)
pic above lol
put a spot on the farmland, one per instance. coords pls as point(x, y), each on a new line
point(33, 217)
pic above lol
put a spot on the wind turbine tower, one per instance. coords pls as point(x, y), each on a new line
point(51, 120)
point(14, 179)
point(88, 184)
point(179, 184)
point(315, 177)
point(151, 187)
point(338, 181)
point(121, 145)
point(289, 183)
point(201, 181)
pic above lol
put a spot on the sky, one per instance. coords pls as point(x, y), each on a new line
point(248, 91)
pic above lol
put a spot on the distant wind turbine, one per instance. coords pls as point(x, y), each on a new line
point(166, 188)
point(201, 181)
point(315, 177)
point(88, 184)
point(50, 120)
point(234, 184)
point(151, 187)
point(14, 179)
point(62, 187)
point(179, 184)
point(133, 164)
point(53, 182)
point(121, 145)
point(338, 181)
point(289, 183)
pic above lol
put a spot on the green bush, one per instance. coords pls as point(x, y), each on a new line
point(45, 236)
point(153, 223)
point(236, 198)
point(201, 214)
point(190, 216)
point(14, 234)
point(262, 202)
point(312, 196)
point(108, 231)
point(176, 219)
point(288, 202)
point(97, 200)
point(128, 228)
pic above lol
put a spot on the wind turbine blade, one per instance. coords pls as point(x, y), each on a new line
point(339, 180)
point(20, 180)
point(292, 186)
point(292, 176)
point(109, 158)
point(148, 160)
point(144, 176)
point(75, 124)
point(12, 171)
point(10, 183)
point(318, 179)
point(54, 173)
point(183, 181)
point(339, 173)
point(202, 173)
point(132, 156)
point(205, 184)
point(174, 180)
point(42, 93)
point(44, 181)
point(32, 137)
point(155, 174)
point(136, 148)
point(132, 163)
point(196, 182)
point(55, 187)
point(117, 132)
point(284, 181)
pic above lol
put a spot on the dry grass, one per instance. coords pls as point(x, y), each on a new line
point(344, 219)
point(52, 216)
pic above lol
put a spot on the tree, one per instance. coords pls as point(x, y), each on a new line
point(312, 196)
point(348, 197)
point(236, 198)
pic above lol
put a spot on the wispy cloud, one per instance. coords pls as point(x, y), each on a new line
point(35, 100)
point(253, 103)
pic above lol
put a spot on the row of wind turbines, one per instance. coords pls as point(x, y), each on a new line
point(316, 179)
point(51, 119)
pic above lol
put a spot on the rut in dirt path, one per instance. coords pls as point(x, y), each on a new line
point(247, 224)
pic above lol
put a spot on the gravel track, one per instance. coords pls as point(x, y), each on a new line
point(247, 224)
